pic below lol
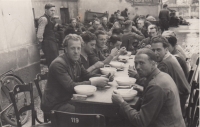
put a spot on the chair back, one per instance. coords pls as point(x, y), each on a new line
point(63, 119)
point(17, 90)
point(191, 110)
point(40, 77)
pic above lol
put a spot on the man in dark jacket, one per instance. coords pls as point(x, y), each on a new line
point(46, 34)
point(160, 99)
point(66, 72)
point(164, 18)
point(124, 13)
point(73, 28)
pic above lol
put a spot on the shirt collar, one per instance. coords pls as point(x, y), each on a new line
point(167, 55)
point(151, 76)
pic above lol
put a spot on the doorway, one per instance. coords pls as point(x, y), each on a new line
point(64, 12)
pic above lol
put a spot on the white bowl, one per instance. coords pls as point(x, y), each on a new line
point(124, 57)
point(127, 94)
point(107, 70)
point(117, 64)
point(85, 89)
point(125, 81)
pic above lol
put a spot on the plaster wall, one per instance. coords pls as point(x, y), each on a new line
point(18, 50)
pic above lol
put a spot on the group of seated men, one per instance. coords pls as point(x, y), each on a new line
point(160, 67)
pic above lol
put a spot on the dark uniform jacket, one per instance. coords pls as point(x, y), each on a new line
point(160, 104)
point(64, 75)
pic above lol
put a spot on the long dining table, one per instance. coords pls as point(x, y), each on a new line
point(101, 101)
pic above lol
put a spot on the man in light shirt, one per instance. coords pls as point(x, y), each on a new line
point(46, 34)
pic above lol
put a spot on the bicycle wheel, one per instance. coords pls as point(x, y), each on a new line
point(8, 83)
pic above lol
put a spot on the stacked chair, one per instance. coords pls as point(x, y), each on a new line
point(192, 108)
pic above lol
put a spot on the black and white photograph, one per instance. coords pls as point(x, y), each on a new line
point(99, 63)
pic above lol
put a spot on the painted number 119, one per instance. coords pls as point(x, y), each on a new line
point(75, 120)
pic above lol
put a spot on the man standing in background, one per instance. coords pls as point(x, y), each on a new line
point(46, 34)
point(164, 18)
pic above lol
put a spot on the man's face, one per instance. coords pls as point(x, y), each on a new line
point(140, 24)
point(143, 65)
point(159, 50)
point(90, 46)
point(105, 21)
point(96, 24)
point(51, 11)
point(101, 41)
point(152, 31)
point(74, 23)
point(74, 49)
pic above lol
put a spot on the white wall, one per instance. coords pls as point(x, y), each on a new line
point(16, 24)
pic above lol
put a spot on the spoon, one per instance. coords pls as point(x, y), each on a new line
point(130, 90)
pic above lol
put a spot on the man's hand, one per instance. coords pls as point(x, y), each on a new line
point(139, 89)
point(134, 28)
point(109, 76)
point(122, 51)
point(148, 46)
point(98, 64)
point(114, 52)
point(132, 72)
point(117, 98)
point(99, 82)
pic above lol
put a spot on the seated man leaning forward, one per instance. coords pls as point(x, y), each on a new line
point(65, 72)
point(160, 106)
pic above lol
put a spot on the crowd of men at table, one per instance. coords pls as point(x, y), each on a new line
point(160, 67)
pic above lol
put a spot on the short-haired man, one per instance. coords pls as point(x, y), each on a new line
point(98, 54)
point(160, 106)
point(172, 49)
point(152, 32)
point(65, 72)
point(46, 34)
point(164, 18)
point(142, 25)
point(73, 28)
point(169, 64)
point(96, 26)
point(106, 25)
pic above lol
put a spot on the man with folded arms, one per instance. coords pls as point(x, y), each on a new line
point(66, 72)
point(160, 106)
point(46, 34)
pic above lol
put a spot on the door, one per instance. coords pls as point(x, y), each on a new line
point(64, 12)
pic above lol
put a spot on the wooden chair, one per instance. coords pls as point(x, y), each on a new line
point(40, 77)
point(61, 119)
point(29, 89)
point(192, 105)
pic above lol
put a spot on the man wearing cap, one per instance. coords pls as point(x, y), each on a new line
point(164, 18)
point(46, 34)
